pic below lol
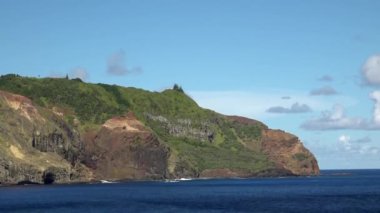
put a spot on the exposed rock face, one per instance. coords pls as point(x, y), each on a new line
point(184, 128)
point(21, 104)
point(288, 153)
point(32, 145)
point(285, 150)
point(125, 149)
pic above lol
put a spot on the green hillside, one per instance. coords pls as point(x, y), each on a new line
point(199, 138)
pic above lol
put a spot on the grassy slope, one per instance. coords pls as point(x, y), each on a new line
point(93, 104)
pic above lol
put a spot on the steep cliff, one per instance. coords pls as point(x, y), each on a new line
point(36, 144)
point(66, 130)
point(123, 148)
point(285, 150)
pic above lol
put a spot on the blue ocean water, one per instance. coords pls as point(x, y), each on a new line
point(333, 191)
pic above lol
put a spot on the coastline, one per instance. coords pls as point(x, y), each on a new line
point(324, 172)
point(182, 179)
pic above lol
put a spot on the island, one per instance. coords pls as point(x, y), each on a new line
point(61, 130)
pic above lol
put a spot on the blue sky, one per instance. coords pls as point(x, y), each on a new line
point(311, 68)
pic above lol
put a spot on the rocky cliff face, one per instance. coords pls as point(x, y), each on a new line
point(288, 153)
point(34, 145)
point(48, 142)
point(283, 149)
point(124, 148)
point(183, 127)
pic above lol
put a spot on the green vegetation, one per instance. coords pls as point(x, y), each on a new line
point(208, 156)
point(247, 131)
point(93, 104)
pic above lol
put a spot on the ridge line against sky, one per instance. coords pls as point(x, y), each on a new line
point(310, 68)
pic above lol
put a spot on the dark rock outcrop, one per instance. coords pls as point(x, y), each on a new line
point(288, 153)
point(124, 148)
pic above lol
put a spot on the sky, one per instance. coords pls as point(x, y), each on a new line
point(311, 68)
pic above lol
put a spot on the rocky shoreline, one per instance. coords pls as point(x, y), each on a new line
point(260, 176)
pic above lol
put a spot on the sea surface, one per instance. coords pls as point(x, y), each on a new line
point(333, 191)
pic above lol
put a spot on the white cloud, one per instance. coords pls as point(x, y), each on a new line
point(116, 65)
point(327, 90)
point(345, 151)
point(371, 70)
point(79, 72)
point(337, 113)
point(336, 119)
point(344, 141)
point(255, 104)
point(352, 146)
point(295, 108)
point(376, 112)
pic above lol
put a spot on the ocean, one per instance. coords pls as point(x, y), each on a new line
point(333, 191)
